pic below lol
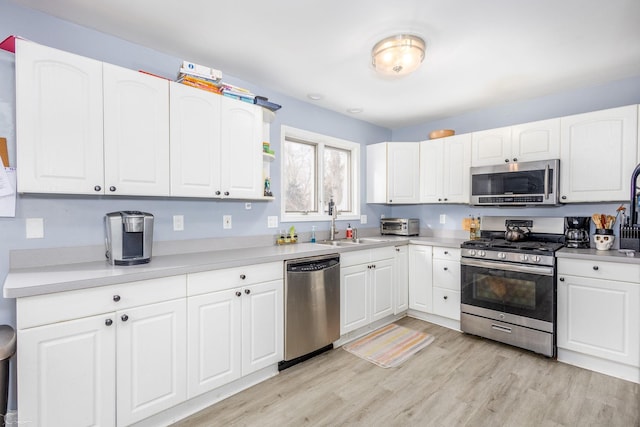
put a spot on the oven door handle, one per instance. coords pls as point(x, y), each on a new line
point(518, 268)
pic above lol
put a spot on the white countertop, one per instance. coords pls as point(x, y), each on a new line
point(25, 282)
point(612, 255)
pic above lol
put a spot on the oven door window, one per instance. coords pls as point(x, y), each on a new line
point(519, 293)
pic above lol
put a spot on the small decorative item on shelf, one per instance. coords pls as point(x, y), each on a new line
point(267, 187)
point(287, 238)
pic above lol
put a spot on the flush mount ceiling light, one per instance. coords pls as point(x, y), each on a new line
point(398, 55)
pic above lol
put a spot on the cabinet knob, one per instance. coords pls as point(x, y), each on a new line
point(446, 252)
point(373, 266)
point(564, 197)
point(217, 193)
point(445, 297)
point(238, 293)
point(226, 193)
point(390, 200)
point(112, 188)
point(124, 317)
point(445, 199)
point(108, 322)
point(97, 188)
point(515, 159)
point(446, 268)
point(116, 298)
point(595, 267)
point(242, 276)
point(506, 160)
point(439, 200)
point(247, 291)
point(397, 249)
point(561, 279)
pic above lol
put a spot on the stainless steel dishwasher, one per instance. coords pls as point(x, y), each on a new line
point(312, 307)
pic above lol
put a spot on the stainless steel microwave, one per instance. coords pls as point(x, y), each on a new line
point(516, 184)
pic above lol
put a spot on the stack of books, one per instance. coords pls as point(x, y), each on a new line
point(237, 92)
point(200, 77)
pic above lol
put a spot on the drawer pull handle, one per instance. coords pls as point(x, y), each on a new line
point(217, 193)
point(446, 252)
point(97, 188)
point(500, 328)
point(124, 317)
point(226, 193)
point(247, 291)
point(116, 298)
point(561, 279)
point(242, 276)
point(112, 188)
point(238, 293)
point(446, 268)
point(108, 322)
point(445, 297)
point(595, 267)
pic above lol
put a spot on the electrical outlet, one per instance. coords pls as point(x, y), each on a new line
point(363, 219)
point(226, 222)
point(247, 206)
point(35, 228)
point(443, 218)
point(178, 222)
point(272, 222)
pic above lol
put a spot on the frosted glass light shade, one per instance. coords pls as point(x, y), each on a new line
point(398, 55)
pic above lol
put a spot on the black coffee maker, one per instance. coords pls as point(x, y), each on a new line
point(576, 231)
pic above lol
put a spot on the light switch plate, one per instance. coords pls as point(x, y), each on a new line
point(178, 223)
point(363, 219)
point(35, 228)
point(443, 218)
point(272, 222)
point(226, 222)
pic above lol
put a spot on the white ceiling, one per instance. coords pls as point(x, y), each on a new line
point(479, 53)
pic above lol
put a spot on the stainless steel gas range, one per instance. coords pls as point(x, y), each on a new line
point(508, 286)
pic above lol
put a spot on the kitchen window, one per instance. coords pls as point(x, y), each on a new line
point(315, 169)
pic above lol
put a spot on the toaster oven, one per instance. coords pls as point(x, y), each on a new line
point(400, 226)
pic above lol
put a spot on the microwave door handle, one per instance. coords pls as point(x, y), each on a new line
point(546, 182)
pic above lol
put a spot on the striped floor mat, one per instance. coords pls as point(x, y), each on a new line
point(389, 346)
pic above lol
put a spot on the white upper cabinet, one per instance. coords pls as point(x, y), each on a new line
point(58, 121)
point(444, 169)
point(521, 143)
point(599, 151)
point(241, 139)
point(393, 173)
point(136, 133)
point(195, 141)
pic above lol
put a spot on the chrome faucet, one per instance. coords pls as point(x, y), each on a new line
point(333, 211)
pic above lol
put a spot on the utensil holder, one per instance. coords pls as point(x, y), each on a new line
point(630, 237)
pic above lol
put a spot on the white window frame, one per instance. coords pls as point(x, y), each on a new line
point(321, 141)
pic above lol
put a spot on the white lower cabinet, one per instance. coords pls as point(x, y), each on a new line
point(401, 279)
point(367, 287)
point(128, 358)
point(238, 328)
point(420, 281)
point(599, 315)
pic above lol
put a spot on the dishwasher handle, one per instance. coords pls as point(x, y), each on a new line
point(305, 265)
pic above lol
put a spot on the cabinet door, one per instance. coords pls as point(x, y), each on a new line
point(136, 133)
point(354, 297)
point(377, 173)
point(214, 340)
point(600, 318)
point(431, 171)
point(446, 274)
point(152, 359)
point(598, 155)
point(536, 141)
point(382, 289)
point(401, 279)
point(446, 303)
point(194, 141)
point(66, 373)
point(491, 147)
point(420, 281)
point(403, 160)
point(262, 325)
point(455, 174)
point(241, 154)
point(58, 121)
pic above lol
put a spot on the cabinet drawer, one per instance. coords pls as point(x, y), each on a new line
point(61, 306)
point(229, 278)
point(446, 253)
point(446, 303)
point(599, 270)
point(383, 253)
point(446, 274)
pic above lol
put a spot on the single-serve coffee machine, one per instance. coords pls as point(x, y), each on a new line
point(129, 237)
point(576, 233)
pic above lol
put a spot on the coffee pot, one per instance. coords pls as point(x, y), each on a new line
point(577, 231)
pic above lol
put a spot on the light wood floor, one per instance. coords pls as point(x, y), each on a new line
point(458, 380)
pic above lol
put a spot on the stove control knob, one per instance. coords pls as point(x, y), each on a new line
point(536, 258)
point(472, 252)
point(524, 257)
point(482, 253)
point(502, 255)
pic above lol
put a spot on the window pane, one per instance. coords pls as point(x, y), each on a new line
point(300, 177)
point(337, 178)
